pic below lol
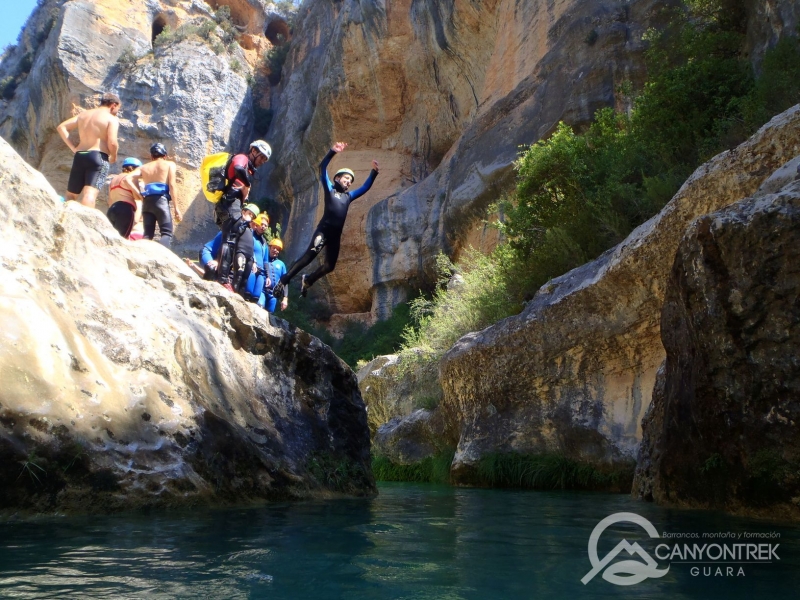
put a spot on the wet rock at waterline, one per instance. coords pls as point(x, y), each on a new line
point(723, 429)
point(411, 439)
point(129, 382)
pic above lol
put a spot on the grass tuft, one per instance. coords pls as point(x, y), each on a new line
point(551, 471)
point(434, 469)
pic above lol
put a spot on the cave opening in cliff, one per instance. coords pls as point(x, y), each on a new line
point(239, 15)
point(277, 32)
point(158, 26)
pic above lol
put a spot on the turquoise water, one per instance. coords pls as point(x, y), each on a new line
point(412, 541)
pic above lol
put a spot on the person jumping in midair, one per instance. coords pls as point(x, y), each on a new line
point(328, 233)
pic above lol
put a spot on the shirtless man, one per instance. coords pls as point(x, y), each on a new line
point(160, 186)
point(96, 149)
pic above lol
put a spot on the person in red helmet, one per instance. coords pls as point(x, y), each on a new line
point(228, 210)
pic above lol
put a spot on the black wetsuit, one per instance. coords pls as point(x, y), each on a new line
point(155, 209)
point(89, 167)
point(228, 215)
point(328, 233)
point(243, 261)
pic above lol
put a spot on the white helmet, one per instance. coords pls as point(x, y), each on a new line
point(262, 147)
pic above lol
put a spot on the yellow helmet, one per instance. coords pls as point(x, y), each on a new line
point(277, 243)
point(262, 220)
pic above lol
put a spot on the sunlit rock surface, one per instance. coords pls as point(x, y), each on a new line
point(129, 382)
point(442, 94)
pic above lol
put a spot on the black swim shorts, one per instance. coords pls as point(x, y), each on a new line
point(88, 168)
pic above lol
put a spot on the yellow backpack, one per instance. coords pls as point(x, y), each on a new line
point(213, 177)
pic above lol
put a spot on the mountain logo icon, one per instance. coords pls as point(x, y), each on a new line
point(624, 572)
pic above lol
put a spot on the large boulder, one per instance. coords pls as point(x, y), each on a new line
point(412, 439)
point(129, 382)
point(574, 372)
point(390, 390)
point(723, 429)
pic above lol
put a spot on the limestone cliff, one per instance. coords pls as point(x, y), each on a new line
point(127, 381)
point(722, 431)
point(442, 94)
point(191, 93)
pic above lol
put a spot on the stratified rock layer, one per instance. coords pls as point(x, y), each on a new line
point(127, 381)
point(574, 372)
point(723, 428)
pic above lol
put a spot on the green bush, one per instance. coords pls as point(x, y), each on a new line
point(25, 64)
point(479, 299)
point(127, 60)
point(287, 7)
point(204, 30)
point(166, 37)
point(229, 31)
point(273, 59)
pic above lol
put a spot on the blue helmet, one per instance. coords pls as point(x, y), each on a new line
point(131, 162)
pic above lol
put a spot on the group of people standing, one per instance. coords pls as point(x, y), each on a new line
point(240, 257)
point(152, 184)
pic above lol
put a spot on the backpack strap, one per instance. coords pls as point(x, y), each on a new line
point(228, 181)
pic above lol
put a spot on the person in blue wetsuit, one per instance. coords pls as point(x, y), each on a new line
point(275, 269)
point(208, 261)
point(256, 280)
point(328, 233)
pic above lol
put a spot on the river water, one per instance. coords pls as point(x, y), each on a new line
point(412, 541)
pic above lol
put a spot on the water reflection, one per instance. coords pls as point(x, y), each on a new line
point(412, 541)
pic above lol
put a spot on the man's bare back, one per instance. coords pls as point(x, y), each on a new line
point(96, 149)
point(95, 128)
point(159, 171)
